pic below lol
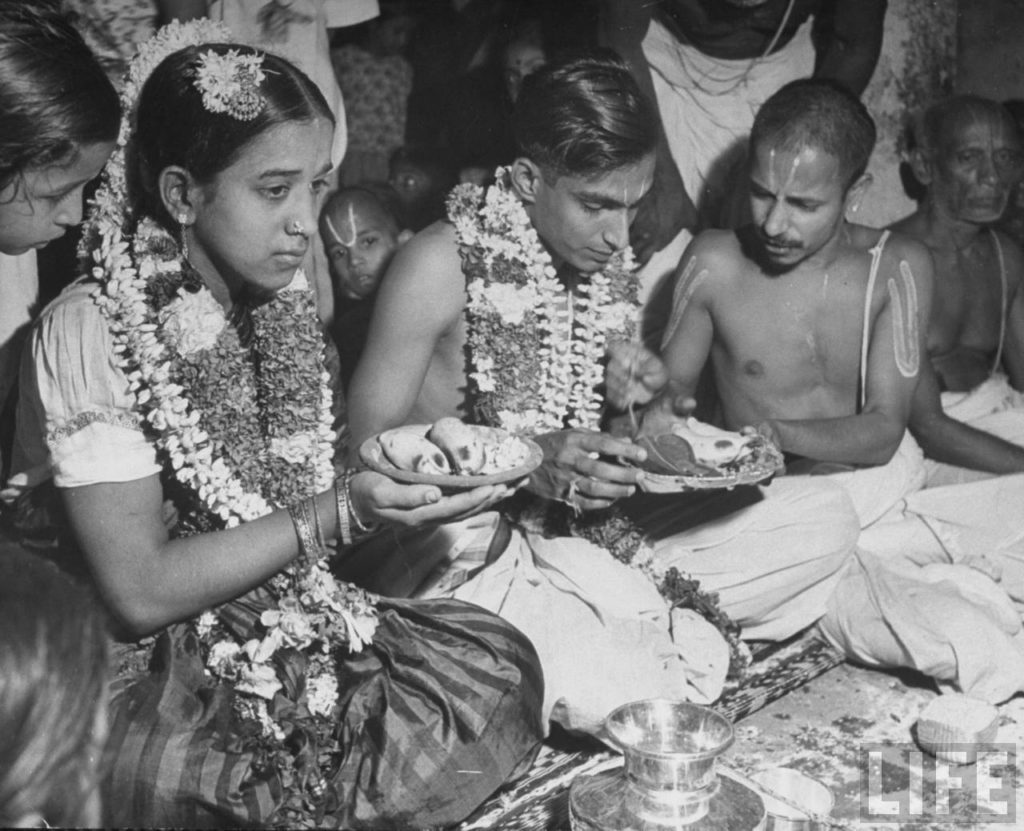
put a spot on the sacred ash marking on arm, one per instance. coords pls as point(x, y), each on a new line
point(689, 280)
point(906, 341)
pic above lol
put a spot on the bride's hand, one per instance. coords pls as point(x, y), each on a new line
point(376, 498)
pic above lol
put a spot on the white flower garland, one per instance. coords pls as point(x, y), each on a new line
point(134, 323)
point(511, 277)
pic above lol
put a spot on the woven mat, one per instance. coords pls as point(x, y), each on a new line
point(539, 801)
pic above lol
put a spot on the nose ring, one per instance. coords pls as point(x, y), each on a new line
point(297, 228)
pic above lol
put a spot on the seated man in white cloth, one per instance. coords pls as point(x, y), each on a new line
point(502, 315)
point(967, 155)
point(813, 330)
point(711, 64)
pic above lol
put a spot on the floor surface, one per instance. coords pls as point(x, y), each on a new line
point(852, 729)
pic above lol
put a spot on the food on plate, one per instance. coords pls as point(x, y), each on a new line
point(449, 446)
point(408, 451)
point(691, 447)
point(671, 454)
point(712, 445)
point(460, 443)
point(684, 453)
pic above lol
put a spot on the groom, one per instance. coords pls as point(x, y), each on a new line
point(502, 315)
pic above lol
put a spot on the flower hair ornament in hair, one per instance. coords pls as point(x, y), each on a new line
point(230, 83)
point(110, 208)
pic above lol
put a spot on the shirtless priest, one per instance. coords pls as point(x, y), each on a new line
point(502, 314)
point(815, 331)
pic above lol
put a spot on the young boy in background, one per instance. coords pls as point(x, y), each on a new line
point(361, 232)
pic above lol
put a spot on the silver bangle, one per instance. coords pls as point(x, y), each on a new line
point(309, 550)
point(357, 524)
point(341, 497)
point(350, 527)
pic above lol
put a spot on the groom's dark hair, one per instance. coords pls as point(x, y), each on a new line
point(584, 115)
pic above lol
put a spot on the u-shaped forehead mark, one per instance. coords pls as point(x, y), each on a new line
point(332, 229)
point(689, 280)
point(351, 226)
point(792, 172)
point(774, 185)
point(905, 331)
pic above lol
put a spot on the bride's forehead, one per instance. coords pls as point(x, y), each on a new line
point(294, 144)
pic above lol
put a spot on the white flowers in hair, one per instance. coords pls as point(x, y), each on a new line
point(230, 83)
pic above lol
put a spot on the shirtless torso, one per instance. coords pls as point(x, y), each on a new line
point(414, 368)
point(789, 348)
point(970, 157)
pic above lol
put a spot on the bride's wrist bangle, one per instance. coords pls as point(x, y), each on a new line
point(307, 529)
point(350, 527)
point(358, 525)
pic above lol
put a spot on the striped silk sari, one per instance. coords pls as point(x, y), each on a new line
point(435, 715)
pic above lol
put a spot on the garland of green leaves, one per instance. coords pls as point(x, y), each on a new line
point(536, 355)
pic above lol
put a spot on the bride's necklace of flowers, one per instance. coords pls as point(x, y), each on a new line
point(242, 432)
point(536, 347)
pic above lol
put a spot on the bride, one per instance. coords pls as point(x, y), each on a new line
point(187, 368)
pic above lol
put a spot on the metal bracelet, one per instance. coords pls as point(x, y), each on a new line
point(357, 524)
point(300, 515)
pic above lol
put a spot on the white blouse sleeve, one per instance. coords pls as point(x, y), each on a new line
point(76, 413)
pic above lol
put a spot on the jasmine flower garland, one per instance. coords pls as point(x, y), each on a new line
point(243, 430)
point(536, 349)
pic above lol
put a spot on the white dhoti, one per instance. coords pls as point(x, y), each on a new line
point(603, 632)
point(774, 564)
point(933, 577)
point(951, 622)
point(994, 407)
